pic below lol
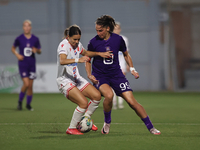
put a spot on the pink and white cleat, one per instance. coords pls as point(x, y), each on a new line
point(106, 128)
point(155, 131)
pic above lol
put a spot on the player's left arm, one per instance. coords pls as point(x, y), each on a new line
point(36, 50)
point(129, 61)
point(37, 47)
point(93, 54)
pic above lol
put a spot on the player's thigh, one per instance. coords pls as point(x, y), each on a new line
point(77, 97)
point(30, 83)
point(92, 93)
point(129, 98)
point(25, 81)
point(106, 91)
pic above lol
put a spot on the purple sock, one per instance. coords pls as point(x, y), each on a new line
point(28, 99)
point(147, 122)
point(107, 117)
point(21, 96)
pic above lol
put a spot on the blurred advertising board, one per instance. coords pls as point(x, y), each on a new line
point(10, 80)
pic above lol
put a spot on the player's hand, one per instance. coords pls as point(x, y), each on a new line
point(135, 73)
point(107, 54)
point(34, 50)
point(93, 79)
point(20, 57)
point(83, 59)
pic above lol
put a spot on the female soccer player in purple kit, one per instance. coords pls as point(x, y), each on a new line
point(106, 73)
point(28, 45)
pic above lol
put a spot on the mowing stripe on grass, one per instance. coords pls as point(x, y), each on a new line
point(172, 124)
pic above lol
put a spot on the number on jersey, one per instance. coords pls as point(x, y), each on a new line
point(124, 86)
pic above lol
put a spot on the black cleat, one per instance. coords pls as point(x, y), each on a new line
point(19, 107)
point(29, 107)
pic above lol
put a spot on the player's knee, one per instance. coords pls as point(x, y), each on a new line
point(84, 104)
point(26, 85)
point(109, 96)
point(134, 105)
point(96, 96)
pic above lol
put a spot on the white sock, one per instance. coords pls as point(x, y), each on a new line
point(114, 99)
point(78, 114)
point(92, 106)
point(120, 100)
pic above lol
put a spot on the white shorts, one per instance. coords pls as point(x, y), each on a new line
point(66, 84)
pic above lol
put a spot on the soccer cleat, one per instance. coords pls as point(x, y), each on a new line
point(121, 106)
point(19, 107)
point(155, 131)
point(94, 128)
point(73, 131)
point(106, 128)
point(29, 107)
point(114, 107)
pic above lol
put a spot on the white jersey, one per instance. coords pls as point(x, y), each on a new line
point(69, 71)
point(122, 61)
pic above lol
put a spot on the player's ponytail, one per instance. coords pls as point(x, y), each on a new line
point(72, 30)
point(106, 21)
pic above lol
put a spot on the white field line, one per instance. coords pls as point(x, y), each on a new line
point(171, 124)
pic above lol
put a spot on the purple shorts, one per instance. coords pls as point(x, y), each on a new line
point(27, 71)
point(119, 84)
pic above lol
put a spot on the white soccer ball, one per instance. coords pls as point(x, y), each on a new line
point(85, 125)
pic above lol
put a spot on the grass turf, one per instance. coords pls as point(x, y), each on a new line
point(176, 115)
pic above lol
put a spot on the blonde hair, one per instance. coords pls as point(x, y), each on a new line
point(27, 20)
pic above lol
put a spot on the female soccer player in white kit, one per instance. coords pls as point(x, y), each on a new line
point(69, 81)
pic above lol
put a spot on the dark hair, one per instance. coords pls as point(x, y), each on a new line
point(106, 21)
point(72, 30)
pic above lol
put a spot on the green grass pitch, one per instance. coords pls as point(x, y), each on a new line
point(176, 115)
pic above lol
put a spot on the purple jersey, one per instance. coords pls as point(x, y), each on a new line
point(107, 66)
point(27, 66)
point(25, 48)
point(107, 70)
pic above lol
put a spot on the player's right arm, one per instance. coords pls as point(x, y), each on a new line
point(88, 71)
point(107, 54)
point(19, 56)
point(65, 61)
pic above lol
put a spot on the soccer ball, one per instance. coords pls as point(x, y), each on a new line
point(85, 125)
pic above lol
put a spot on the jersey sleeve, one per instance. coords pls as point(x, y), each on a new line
point(122, 45)
point(16, 42)
point(126, 42)
point(90, 46)
point(37, 44)
point(81, 48)
point(62, 48)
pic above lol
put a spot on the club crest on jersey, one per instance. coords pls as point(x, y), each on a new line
point(62, 45)
point(75, 52)
point(27, 45)
point(24, 74)
point(107, 48)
